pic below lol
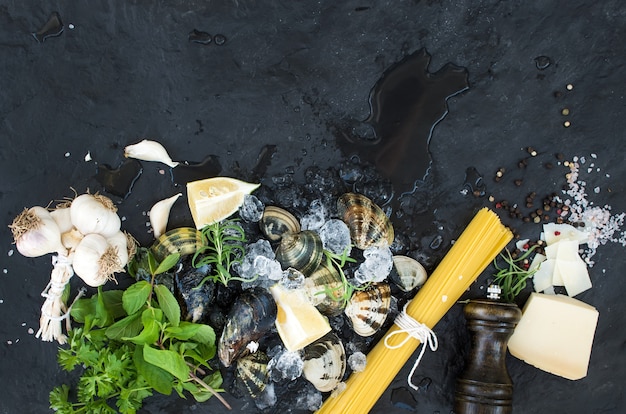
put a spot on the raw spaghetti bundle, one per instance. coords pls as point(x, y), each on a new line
point(477, 246)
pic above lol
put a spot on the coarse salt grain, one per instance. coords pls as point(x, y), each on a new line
point(600, 225)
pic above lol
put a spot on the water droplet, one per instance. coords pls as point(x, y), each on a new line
point(219, 39)
point(52, 28)
point(203, 38)
point(542, 62)
point(436, 242)
point(474, 183)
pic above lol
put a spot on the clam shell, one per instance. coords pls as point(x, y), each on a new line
point(303, 251)
point(407, 273)
point(251, 316)
point(251, 374)
point(368, 224)
point(325, 362)
point(324, 284)
point(183, 240)
point(277, 221)
point(367, 309)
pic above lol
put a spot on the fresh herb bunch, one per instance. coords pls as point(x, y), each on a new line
point(341, 293)
point(513, 275)
point(223, 245)
point(132, 343)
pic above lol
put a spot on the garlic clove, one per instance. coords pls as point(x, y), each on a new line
point(159, 214)
point(119, 242)
point(147, 150)
point(95, 214)
point(63, 219)
point(70, 239)
point(36, 233)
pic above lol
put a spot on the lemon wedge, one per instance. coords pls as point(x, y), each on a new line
point(215, 199)
point(298, 322)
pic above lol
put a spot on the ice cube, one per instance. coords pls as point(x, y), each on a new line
point(286, 365)
point(251, 210)
point(315, 218)
point(335, 236)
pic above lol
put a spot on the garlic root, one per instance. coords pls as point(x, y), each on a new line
point(53, 310)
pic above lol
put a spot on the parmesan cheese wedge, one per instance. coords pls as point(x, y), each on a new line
point(563, 265)
point(555, 334)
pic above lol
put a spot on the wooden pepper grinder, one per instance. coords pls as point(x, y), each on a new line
point(485, 386)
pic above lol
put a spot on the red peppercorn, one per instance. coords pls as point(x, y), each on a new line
point(557, 233)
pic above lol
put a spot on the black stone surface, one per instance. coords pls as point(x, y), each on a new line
point(287, 76)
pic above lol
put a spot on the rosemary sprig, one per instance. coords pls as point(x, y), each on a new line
point(341, 293)
point(512, 277)
point(223, 245)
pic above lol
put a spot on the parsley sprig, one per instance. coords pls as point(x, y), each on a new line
point(132, 343)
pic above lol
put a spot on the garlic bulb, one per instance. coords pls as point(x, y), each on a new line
point(95, 260)
point(95, 214)
point(147, 150)
point(159, 214)
point(119, 242)
point(63, 219)
point(36, 233)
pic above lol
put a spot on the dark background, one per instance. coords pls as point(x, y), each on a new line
point(287, 75)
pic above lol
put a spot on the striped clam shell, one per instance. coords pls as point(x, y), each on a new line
point(277, 221)
point(367, 309)
point(407, 273)
point(368, 224)
point(303, 251)
point(324, 362)
point(252, 375)
point(322, 285)
point(183, 240)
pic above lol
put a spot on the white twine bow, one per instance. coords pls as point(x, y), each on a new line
point(413, 329)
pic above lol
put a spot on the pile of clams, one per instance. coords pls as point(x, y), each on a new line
point(249, 318)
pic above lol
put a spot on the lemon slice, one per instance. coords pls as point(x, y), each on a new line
point(298, 322)
point(215, 199)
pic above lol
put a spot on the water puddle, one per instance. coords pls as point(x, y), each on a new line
point(185, 172)
point(52, 28)
point(405, 106)
point(119, 181)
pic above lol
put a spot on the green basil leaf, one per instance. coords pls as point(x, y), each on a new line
point(204, 335)
point(150, 319)
point(184, 331)
point(168, 303)
point(168, 360)
point(103, 317)
point(113, 303)
point(156, 377)
point(83, 308)
point(167, 263)
point(136, 296)
point(152, 263)
point(126, 327)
